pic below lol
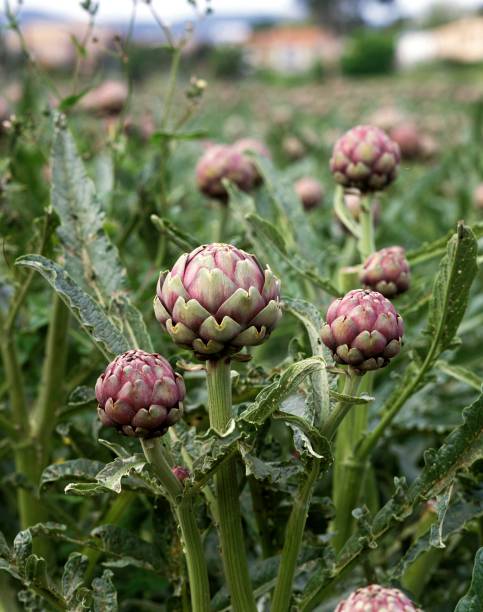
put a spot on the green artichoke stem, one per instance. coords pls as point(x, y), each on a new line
point(51, 391)
point(226, 482)
point(184, 512)
point(350, 424)
point(341, 409)
point(366, 241)
point(294, 532)
point(223, 223)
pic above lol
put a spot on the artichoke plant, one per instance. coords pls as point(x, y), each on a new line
point(365, 158)
point(140, 395)
point(386, 271)
point(218, 299)
point(363, 330)
point(220, 162)
point(375, 598)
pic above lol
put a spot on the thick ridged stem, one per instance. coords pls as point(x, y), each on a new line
point(184, 512)
point(346, 485)
point(294, 532)
point(52, 392)
point(226, 481)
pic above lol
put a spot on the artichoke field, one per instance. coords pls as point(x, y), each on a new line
point(288, 352)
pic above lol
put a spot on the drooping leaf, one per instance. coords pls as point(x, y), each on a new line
point(451, 289)
point(77, 468)
point(104, 593)
point(73, 575)
point(86, 310)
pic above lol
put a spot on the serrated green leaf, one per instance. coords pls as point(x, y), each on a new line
point(91, 259)
point(77, 468)
point(270, 398)
point(86, 310)
point(112, 474)
point(473, 600)
point(131, 323)
point(85, 489)
point(451, 288)
point(212, 450)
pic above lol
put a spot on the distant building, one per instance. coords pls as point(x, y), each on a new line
point(459, 41)
point(292, 49)
point(52, 45)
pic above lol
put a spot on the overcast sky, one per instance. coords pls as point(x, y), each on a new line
point(175, 9)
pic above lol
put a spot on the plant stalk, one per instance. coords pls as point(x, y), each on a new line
point(345, 488)
point(366, 242)
point(51, 392)
point(226, 483)
point(293, 541)
point(184, 513)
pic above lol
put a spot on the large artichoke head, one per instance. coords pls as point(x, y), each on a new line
point(218, 299)
point(363, 330)
point(365, 158)
point(140, 395)
point(375, 598)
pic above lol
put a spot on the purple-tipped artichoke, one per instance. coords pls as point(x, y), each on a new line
point(365, 158)
point(218, 299)
point(386, 271)
point(140, 395)
point(363, 330)
point(309, 191)
point(245, 145)
point(220, 162)
point(375, 598)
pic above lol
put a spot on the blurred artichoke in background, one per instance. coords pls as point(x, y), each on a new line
point(218, 299)
point(309, 191)
point(386, 271)
point(365, 158)
point(140, 395)
point(363, 330)
point(220, 162)
point(375, 598)
point(478, 197)
point(245, 145)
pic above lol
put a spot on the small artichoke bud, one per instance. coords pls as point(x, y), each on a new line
point(310, 192)
point(363, 330)
point(293, 148)
point(386, 271)
point(245, 145)
point(409, 138)
point(375, 598)
point(365, 158)
point(180, 472)
point(220, 162)
point(218, 299)
point(140, 395)
point(353, 204)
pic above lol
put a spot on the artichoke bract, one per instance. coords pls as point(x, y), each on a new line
point(309, 191)
point(363, 330)
point(218, 299)
point(220, 162)
point(375, 598)
point(140, 395)
point(365, 158)
point(386, 271)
